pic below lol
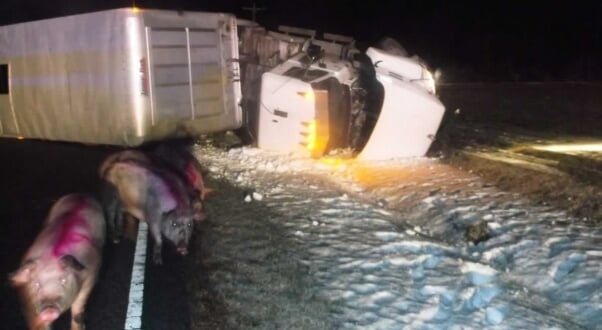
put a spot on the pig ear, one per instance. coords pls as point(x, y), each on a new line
point(70, 261)
point(23, 274)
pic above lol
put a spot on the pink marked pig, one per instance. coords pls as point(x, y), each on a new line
point(60, 268)
point(152, 194)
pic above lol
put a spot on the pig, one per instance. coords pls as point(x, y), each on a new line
point(109, 196)
point(186, 166)
point(182, 161)
point(60, 268)
point(174, 168)
point(151, 194)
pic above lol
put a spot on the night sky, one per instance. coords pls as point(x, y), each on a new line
point(487, 40)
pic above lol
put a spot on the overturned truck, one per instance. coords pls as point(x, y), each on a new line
point(129, 76)
point(381, 104)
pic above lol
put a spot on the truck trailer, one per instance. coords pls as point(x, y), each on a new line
point(120, 77)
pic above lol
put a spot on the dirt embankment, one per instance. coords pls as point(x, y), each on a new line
point(580, 198)
point(491, 128)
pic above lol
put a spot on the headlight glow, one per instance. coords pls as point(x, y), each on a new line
point(429, 81)
point(571, 147)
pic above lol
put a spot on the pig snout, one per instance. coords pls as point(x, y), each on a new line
point(182, 249)
point(48, 314)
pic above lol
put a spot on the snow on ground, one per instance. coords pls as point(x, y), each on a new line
point(383, 246)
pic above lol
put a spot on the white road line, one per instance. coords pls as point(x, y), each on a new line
point(133, 319)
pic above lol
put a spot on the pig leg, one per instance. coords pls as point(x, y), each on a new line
point(155, 230)
point(113, 210)
point(153, 219)
point(79, 304)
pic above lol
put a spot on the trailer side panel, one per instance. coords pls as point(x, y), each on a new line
point(69, 78)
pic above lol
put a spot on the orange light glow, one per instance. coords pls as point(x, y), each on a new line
point(309, 96)
point(311, 135)
point(334, 161)
point(135, 10)
point(20, 137)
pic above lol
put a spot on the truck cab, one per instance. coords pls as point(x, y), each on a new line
point(331, 96)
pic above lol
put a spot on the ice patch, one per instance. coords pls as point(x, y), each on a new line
point(384, 323)
point(417, 273)
point(351, 264)
point(483, 296)
point(367, 318)
point(383, 212)
point(364, 288)
point(432, 201)
point(277, 190)
point(467, 293)
point(430, 290)
point(560, 271)
point(331, 211)
point(494, 316)
point(554, 240)
point(594, 253)
point(382, 297)
point(257, 196)
point(557, 245)
point(410, 246)
point(372, 265)
point(348, 294)
point(403, 262)
point(502, 251)
point(428, 313)
point(478, 274)
point(387, 235)
point(431, 262)
point(462, 209)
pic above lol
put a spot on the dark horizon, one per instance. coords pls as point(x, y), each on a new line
point(467, 40)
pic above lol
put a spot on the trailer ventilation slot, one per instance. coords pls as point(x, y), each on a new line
point(4, 79)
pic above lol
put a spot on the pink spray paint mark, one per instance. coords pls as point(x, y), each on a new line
point(171, 187)
point(191, 173)
point(174, 192)
point(195, 178)
point(68, 235)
